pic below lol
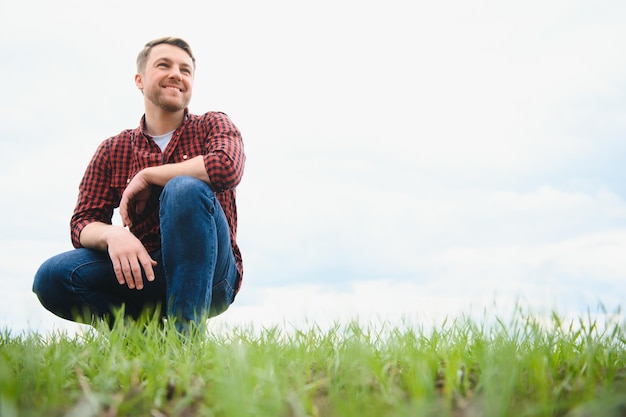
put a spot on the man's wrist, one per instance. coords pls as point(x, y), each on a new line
point(150, 175)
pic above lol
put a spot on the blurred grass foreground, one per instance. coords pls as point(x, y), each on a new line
point(524, 366)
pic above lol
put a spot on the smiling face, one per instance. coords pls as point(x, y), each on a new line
point(167, 78)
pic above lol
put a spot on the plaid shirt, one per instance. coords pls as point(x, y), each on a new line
point(120, 157)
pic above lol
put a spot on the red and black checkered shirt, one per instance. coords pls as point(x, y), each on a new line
point(120, 157)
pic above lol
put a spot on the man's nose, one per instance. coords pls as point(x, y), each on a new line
point(176, 74)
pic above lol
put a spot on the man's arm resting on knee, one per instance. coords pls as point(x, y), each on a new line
point(137, 191)
point(161, 174)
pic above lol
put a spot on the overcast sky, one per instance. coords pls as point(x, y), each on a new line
point(406, 159)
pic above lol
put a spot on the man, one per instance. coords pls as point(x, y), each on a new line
point(173, 179)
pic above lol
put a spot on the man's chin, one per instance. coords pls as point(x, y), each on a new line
point(172, 107)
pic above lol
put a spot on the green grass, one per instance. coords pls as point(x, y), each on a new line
point(525, 366)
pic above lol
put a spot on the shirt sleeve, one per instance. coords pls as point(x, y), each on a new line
point(225, 159)
point(96, 197)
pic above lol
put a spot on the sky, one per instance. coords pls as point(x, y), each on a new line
point(407, 161)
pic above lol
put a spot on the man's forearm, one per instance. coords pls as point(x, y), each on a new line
point(94, 235)
point(160, 175)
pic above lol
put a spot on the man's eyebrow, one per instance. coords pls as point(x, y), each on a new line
point(169, 61)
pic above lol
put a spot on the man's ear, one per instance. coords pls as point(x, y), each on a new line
point(139, 81)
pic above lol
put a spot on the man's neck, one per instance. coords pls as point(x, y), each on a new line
point(161, 122)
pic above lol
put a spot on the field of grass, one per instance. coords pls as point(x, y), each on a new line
point(523, 366)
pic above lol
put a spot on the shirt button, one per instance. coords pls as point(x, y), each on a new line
point(184, 156)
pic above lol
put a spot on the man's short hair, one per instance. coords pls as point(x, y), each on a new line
point(142, 58)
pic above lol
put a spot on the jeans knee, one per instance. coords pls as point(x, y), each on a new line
point(186, 185)
point(40, 281)
point(44, 287)
point(185, 191)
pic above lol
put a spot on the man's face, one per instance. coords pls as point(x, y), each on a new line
point(167, 79)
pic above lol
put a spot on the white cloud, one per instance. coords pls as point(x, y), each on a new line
point(388, 302)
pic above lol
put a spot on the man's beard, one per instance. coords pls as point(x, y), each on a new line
point(167, 104)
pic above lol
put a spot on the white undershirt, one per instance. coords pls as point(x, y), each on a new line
point(163, 140)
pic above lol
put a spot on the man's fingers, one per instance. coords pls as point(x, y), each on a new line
point(119, 274)
point(128, 273)
point(136, 275)
point(148, 263)
point(124, 212)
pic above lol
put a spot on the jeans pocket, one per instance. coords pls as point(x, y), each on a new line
point(221, 297)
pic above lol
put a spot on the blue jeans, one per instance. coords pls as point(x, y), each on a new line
point(194, 279)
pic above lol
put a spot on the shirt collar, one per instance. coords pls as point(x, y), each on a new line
point(142, 123)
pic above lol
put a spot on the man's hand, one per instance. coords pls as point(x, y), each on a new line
point(134, 197)
point(129, 256)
